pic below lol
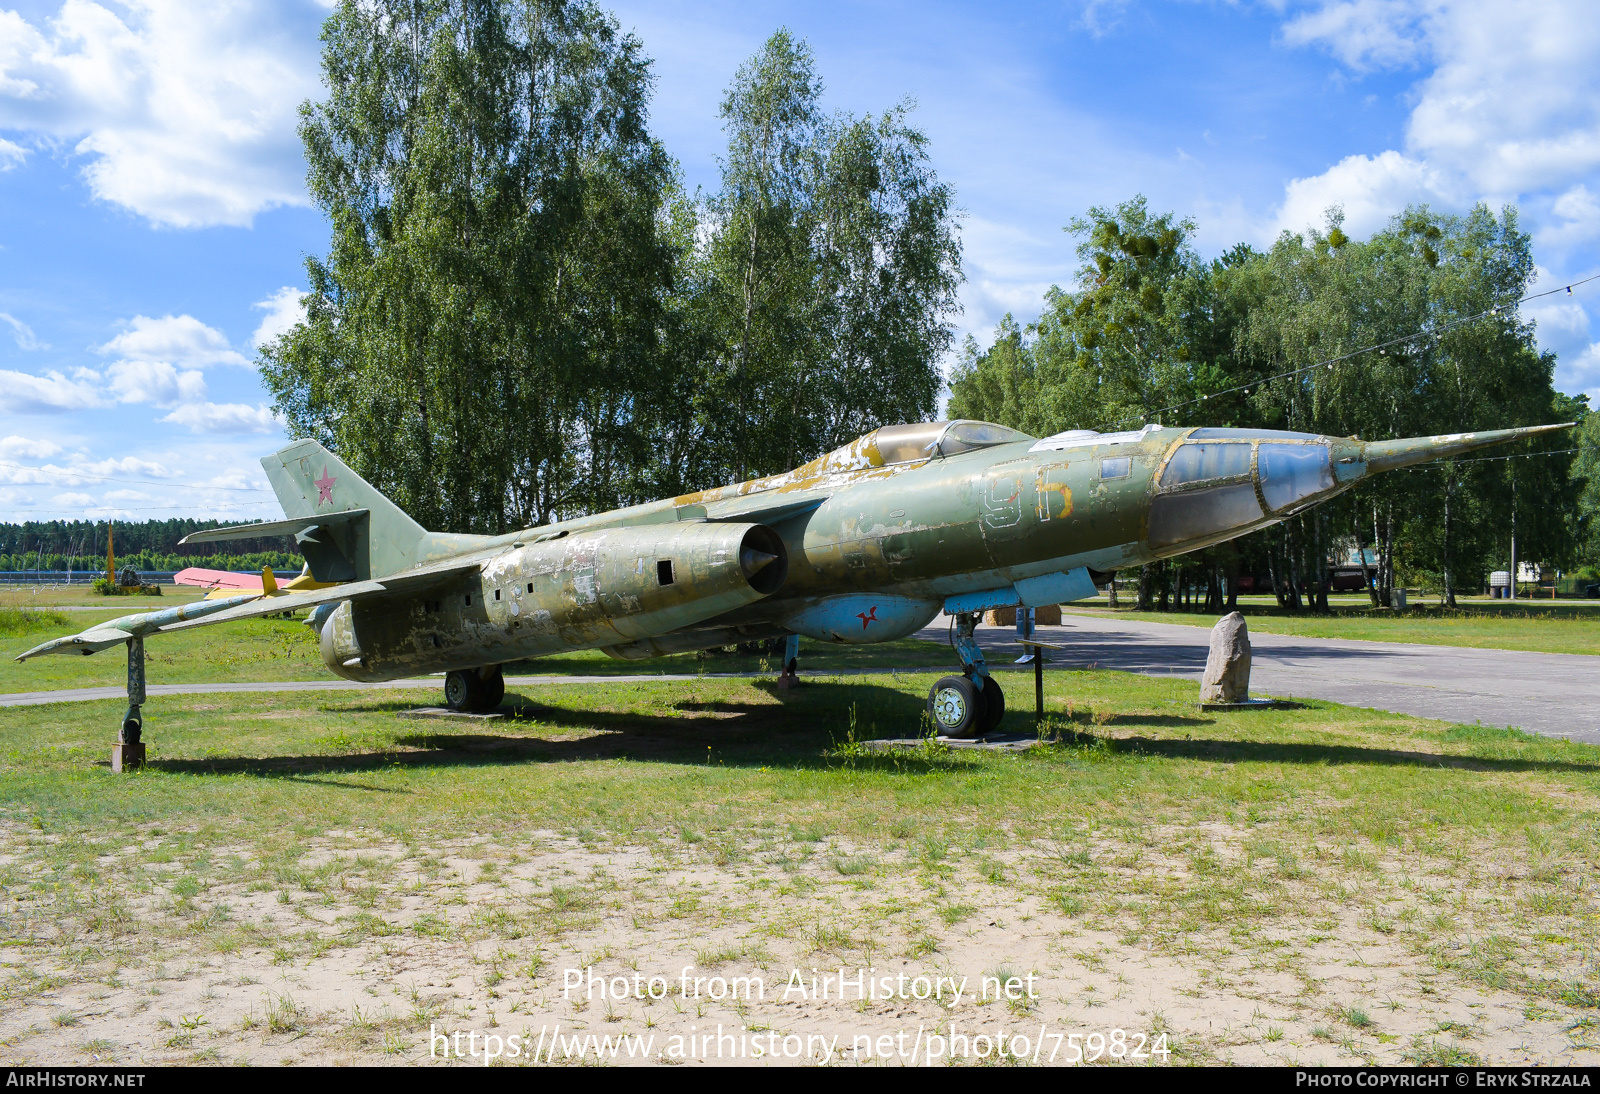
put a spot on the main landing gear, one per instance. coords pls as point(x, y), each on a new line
point(972, 704)
point(476, 691)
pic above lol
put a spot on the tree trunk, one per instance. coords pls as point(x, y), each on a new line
point(1292, 565)
point(1449, 583)
point(1322, 563)
point(1367, 581)
point(1147, 581)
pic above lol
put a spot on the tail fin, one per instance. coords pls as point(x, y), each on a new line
point(311, 481)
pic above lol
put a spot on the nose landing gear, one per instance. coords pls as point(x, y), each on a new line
point(972, 704)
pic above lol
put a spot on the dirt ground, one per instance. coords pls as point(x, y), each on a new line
point(374, 950)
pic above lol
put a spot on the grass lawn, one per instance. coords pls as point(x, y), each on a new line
point(1562, 626)
point(312, 877)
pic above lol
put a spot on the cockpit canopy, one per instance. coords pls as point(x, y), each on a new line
point(914, 442)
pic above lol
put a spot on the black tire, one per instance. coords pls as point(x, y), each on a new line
point(955, 704)
point(994, 706)
point(132, 727)
point(491, 689)
point(461, 690)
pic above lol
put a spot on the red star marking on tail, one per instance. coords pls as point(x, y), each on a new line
point(865, 618)
point(324, 487)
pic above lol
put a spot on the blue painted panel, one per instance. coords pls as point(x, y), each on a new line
point(1060, 588)
point(860, 618)
point(982, 601)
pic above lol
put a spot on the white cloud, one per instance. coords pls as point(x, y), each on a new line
point(1579, 219)
point(1580, 373)
point(72, 501)
point(1366, 34)
point(15, 447)
point(186, 111)
point(155, 382)
point(1561, 315)
point(11, 154)
point(1512, 105)
point(283, 312)
point(1370, 188)
point(21, 332)
point(1101, 17)
point(50, 392)
point(126, 495)
point(180, 339)
point(127, 465)
point(225, 418)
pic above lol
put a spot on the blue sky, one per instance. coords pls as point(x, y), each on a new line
point(153, 217)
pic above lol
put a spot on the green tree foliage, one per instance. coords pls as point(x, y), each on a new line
point(83, 542)
point(1154, 334)
point(830, 271)
point(489, 308)
point(523, 317)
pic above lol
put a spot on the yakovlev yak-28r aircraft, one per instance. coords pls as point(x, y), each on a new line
point(865, 544)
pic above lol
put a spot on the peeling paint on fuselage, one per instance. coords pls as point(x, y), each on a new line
point(920, 531)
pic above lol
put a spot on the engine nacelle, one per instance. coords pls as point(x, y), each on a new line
point(603, 588)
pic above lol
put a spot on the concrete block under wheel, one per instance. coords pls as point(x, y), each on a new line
point(457, 715)
point(127, 757)
point(1253, 704)
point(994, 742)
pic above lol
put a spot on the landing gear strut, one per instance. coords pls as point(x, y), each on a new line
point(790, 676)
point(972, 704)
point(128, 753)
point(476, 691)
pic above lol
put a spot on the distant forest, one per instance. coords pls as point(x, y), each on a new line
point(148, 545)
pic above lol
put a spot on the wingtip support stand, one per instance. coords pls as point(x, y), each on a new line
point(128, 753)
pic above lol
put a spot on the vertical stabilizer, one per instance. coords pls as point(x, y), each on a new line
point(311, 481)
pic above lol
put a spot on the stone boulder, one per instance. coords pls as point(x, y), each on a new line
point(1227, 678)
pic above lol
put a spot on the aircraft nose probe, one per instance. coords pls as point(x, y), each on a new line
point(1409, 451)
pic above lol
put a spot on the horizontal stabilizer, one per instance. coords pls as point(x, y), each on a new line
point(250, 606)
point(410, 581)
point(290, 527)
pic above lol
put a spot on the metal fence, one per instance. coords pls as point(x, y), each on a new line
point(77, 577)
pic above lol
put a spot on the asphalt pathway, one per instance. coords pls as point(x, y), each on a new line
point(1554, 694)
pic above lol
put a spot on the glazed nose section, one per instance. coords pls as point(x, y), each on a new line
point(1293, 473)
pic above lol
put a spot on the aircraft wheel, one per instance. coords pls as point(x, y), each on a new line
point(956, 705)
point(492, 689)
point(994, 706)
point(461, 690)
